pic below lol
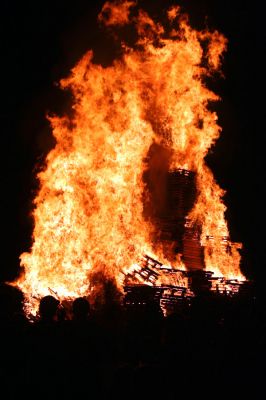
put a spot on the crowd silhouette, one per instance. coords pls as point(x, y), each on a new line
point(208, 348)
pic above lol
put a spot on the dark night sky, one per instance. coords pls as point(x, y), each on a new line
point(39, 45)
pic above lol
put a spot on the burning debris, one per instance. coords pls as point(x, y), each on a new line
point(127, 175)
point(172, 286)
point(150, 280)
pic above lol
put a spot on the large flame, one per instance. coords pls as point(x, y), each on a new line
point(88, 212)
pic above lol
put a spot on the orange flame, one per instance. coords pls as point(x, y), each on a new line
point(88, 212)
point(116, 13)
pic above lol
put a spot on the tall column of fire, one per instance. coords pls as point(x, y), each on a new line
point(89, 214)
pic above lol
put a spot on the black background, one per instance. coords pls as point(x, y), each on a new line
point(41, 42)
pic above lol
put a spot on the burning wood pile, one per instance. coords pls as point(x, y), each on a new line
point(127, 175)
point(172, 286)
point(150, 280)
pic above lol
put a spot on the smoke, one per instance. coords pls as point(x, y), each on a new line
point(155, 178)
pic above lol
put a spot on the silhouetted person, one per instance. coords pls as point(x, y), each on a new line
point(81, 309)
point(48, 309)
point(45, 363)
point(79, 349)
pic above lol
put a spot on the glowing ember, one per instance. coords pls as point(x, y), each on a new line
point(88, 213)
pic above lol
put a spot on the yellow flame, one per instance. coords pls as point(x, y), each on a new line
point(88, 212)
